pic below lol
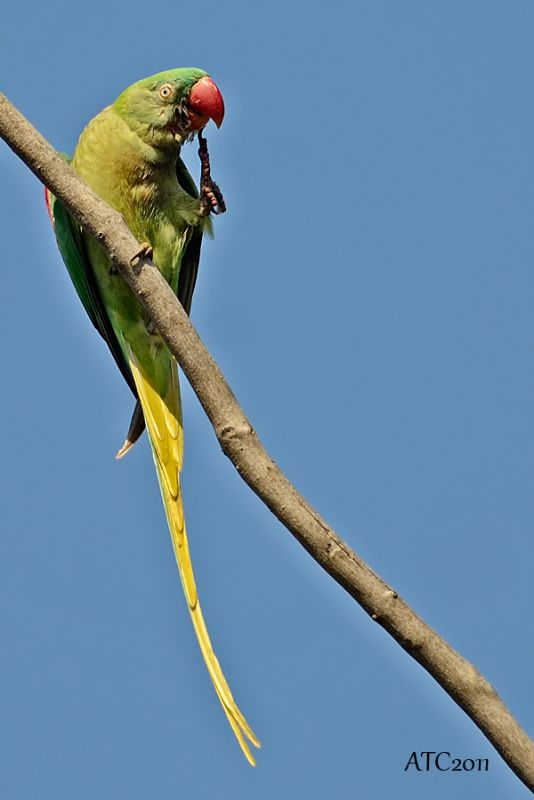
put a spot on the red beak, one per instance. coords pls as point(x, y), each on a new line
point(206, 102)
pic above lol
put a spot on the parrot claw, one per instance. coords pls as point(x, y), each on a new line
point(145, 251)
point(212, 201)
point(211, 197)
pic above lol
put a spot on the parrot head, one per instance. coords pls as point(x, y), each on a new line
point(168, 108)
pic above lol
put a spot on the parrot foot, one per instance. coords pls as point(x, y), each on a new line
point(145, 251)
point(211, 197)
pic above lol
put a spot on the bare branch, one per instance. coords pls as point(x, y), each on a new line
point(458, 677)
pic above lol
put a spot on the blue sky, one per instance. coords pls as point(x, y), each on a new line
point(369, 296)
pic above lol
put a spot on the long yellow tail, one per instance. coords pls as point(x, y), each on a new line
point(164, 424)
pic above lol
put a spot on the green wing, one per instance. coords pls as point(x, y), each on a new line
point(189, 266)
point(72, 248)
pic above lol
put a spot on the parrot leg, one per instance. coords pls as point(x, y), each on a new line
point(211, 197)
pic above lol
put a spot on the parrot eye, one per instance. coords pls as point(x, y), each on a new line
point(165, 91)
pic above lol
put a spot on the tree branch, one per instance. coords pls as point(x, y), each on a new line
point(458, 677)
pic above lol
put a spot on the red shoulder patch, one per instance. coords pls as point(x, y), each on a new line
point(48, 204)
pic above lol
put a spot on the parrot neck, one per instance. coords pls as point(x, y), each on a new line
point(154, 145)
point(117, 159)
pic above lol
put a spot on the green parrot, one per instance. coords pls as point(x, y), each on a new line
point(130, 155)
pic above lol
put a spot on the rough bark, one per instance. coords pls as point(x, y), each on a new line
point(458, 677)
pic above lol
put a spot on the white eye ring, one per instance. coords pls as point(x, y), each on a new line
point(165, 91)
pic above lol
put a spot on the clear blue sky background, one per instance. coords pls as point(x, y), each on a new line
point(370, 297)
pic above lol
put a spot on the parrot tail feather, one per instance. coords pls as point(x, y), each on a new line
point(137, 426)
point(124, 448)
point(164, 425)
